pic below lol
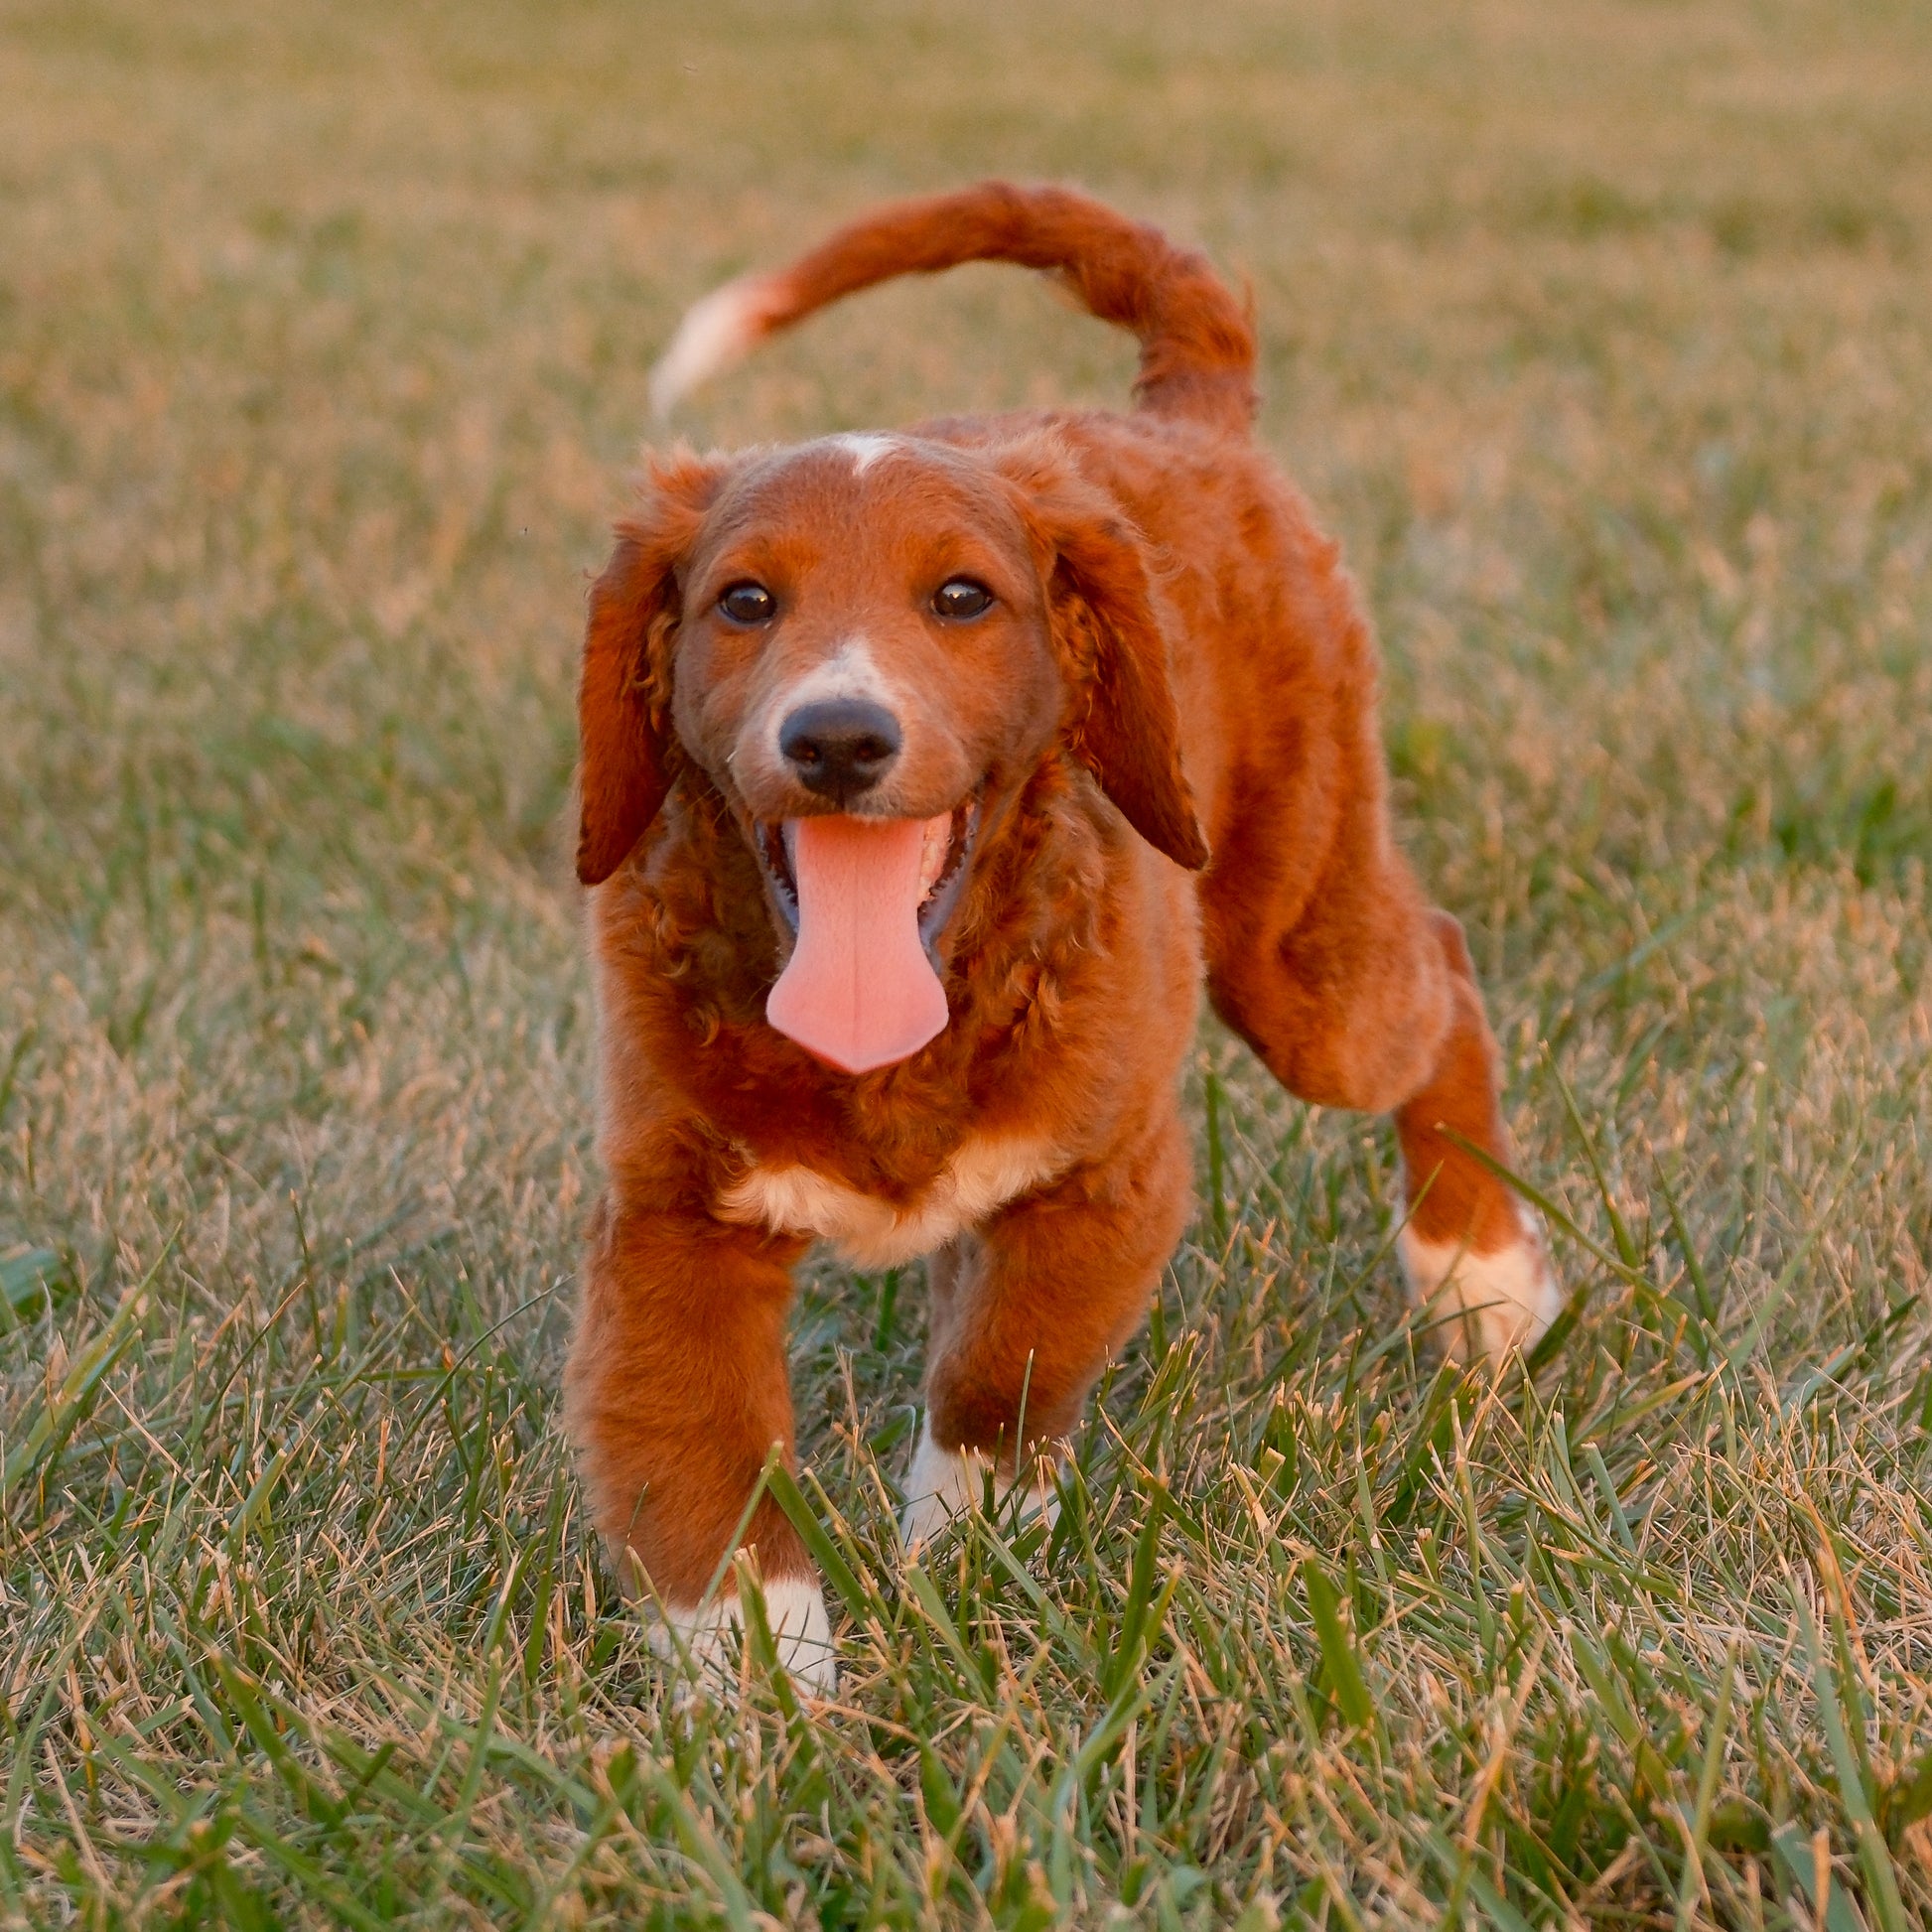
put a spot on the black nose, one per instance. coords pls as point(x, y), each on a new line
point(841, 746)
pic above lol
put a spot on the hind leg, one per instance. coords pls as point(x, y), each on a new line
point(1363, 997)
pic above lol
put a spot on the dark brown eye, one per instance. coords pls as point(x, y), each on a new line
point(961, 597)
point(748, 604)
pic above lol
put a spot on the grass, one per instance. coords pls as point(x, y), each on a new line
point(1599, 335)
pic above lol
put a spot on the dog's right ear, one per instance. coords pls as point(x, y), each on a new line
point(623, 698)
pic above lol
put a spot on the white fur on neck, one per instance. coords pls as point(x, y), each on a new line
point(801, 1632)
point(1510, 1298)
point(979, 1176)
point(945, 1483)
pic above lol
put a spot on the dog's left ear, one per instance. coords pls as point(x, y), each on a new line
point(1106, 612)
point(623, 695)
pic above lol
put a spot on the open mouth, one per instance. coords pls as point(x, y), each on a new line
point(943, 857)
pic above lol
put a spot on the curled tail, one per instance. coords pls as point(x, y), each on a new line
point(1197, 351)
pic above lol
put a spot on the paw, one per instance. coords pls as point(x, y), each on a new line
point(1506, 1298)
point(945, 1483)
point(714, 1632)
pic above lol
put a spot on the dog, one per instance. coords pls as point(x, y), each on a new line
point(926, 779)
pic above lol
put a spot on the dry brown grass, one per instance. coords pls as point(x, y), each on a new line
point(1600, 333)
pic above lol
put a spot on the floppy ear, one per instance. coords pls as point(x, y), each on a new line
point(1106, 614)
point(624, 696)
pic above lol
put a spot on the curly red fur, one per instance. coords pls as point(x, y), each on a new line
point(1166, 727)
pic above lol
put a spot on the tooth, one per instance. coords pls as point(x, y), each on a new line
point(932, 857)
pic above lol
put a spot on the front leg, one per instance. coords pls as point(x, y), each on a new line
point(1026, 1310)
point(675, 1392)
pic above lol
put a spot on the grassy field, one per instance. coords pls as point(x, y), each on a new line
point(1600, 333)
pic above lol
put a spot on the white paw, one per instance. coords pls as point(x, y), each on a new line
point(801, 1632)
point(1508, 1297)
point(942, 1484)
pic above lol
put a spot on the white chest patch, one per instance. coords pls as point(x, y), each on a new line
point(868, 1232)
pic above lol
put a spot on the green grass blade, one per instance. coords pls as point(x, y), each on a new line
point(1874, 1857)
point(1338, 1661)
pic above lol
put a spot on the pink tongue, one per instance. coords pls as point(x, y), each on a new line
point(860, 991)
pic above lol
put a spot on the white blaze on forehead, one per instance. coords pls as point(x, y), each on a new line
point(865, 450)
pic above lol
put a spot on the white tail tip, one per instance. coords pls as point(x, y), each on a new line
point(716, 331)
